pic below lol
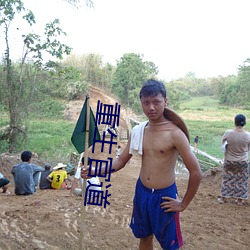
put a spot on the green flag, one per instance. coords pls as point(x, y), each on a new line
point(79, 134)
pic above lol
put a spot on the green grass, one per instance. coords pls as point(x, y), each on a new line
point(200, 103)
point(209, 120)
point(50, 137)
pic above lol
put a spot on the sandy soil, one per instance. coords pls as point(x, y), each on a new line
point(51, 220)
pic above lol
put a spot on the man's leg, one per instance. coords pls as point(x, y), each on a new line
point(4, 189)
point(36, 178)
point(4, 185)
point(146, 243)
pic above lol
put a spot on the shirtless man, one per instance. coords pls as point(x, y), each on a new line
point(156, 202)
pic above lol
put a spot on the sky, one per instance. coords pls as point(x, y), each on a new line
point(206, 37)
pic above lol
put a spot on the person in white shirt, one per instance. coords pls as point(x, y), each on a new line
point(4, 184)
point(78, 191)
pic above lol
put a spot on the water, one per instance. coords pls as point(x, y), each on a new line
point(180, 169)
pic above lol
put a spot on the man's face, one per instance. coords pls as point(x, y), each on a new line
point(153, 106)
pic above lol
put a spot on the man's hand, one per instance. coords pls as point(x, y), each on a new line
point(85, 172)
point(172, 205)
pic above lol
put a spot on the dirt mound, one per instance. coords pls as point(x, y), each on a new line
point(213, 174)
point(7, 161)
point(73, 109)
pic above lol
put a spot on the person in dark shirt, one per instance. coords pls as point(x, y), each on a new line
point(44, 183)
point(196, 141)
point(23, 174)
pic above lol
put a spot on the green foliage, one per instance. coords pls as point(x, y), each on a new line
point(18, 87)
point(130, 73)
point(235, 90)
point(228, 91)
point(136, 104)
point(8, 9)
point(175, 96)
point(3, 126)
point(92, 69)
point(65, 82)
point(75, 90)
point(244, 83)
point(49, 44)
point(192, 86)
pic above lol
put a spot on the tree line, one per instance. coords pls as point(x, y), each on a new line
point(32, 86)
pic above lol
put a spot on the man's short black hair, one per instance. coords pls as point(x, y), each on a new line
point(47, 166)
point(153, 88)
point(26, 156)
point(240, 120)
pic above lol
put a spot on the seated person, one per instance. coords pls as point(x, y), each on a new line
point(58, 177)
point(4, 183)
point(93, 180)
point(26, 175)
point(44, 183)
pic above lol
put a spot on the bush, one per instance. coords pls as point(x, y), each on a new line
point(75, 90)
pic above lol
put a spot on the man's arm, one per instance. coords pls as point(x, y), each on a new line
point(195, 174)
point(74, 184)
point(117, 165)
point(67, 180)
point(37, 168)
point(224, 138)
point(48, 178)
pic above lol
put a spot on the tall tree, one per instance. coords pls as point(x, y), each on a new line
point(244, 83)
point(130, 73)
point(15, 82)
point(228, 90)
point(93, 70)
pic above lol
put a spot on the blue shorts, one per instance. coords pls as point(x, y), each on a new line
point(3, 182)
point(149, 218)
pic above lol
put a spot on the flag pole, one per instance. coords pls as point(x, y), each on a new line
point(83, 208)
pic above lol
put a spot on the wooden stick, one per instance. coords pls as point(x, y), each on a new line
point(83, 208)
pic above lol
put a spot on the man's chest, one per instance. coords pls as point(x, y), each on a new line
point(157, 142)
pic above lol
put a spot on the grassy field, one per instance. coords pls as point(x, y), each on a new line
point(209, 120)
point(50, 138)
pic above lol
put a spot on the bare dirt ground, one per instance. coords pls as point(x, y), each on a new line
point(51, 220)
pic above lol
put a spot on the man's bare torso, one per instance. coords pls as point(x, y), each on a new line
point(159, 156)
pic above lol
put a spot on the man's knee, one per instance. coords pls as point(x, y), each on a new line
point(147, 240)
